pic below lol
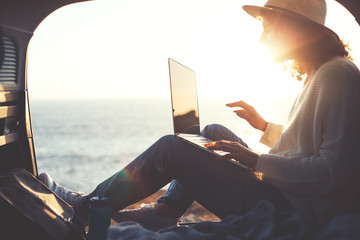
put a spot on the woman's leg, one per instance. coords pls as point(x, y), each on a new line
point(218, 132)
point(222, 187)
point(176, 195)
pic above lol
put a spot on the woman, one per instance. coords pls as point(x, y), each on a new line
point(313, 163)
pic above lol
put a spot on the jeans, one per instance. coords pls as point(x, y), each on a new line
point(176, 194)
point(220, 186)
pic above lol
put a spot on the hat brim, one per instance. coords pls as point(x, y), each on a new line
point(258, 13)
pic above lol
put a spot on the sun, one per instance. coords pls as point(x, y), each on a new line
point(127, 57)
point(254, 77)
point(221, 44)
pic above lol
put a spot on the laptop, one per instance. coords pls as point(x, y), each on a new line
point(185, 109)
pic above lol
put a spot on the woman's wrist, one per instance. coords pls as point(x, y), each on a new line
point(263, 126)
point(251, 159)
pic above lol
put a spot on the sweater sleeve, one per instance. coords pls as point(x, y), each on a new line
point(271, 134)
point(336, 161)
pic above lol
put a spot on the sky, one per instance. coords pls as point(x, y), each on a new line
point(119, 49)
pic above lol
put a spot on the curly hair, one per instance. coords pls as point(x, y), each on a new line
point(324, 46)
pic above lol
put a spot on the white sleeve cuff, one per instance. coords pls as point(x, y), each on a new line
point(271, 134)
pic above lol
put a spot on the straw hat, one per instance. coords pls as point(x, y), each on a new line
point(311, 11)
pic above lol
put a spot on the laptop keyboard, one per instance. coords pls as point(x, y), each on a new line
point(201, 141)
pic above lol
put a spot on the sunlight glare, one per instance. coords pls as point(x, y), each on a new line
point(112, 49)
point(127, 44)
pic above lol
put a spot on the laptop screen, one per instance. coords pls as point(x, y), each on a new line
point(184, 98)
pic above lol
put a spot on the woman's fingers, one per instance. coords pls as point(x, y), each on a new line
point(249, 113)
point(235, 104)
point(242, 113)
point(225, 157)
point(223, 145)
point(241, 104)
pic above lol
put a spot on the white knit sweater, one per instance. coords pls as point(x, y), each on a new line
point(316, 161)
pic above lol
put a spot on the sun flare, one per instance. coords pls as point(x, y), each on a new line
point(221, 44)
point(127, 57)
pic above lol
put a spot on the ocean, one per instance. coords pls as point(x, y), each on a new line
point(82, 142)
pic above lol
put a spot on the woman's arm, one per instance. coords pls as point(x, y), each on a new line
point(331, 160)
point(271, 131)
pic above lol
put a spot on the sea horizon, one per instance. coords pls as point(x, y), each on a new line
point(81, 142)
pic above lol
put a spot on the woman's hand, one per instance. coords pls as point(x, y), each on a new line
point(235, 151)
point(249, 114)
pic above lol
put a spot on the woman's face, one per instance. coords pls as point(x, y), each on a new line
point(282, 37)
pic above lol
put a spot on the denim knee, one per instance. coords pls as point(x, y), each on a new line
point(218, 132)
point(212, 131)
point(167, 139)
